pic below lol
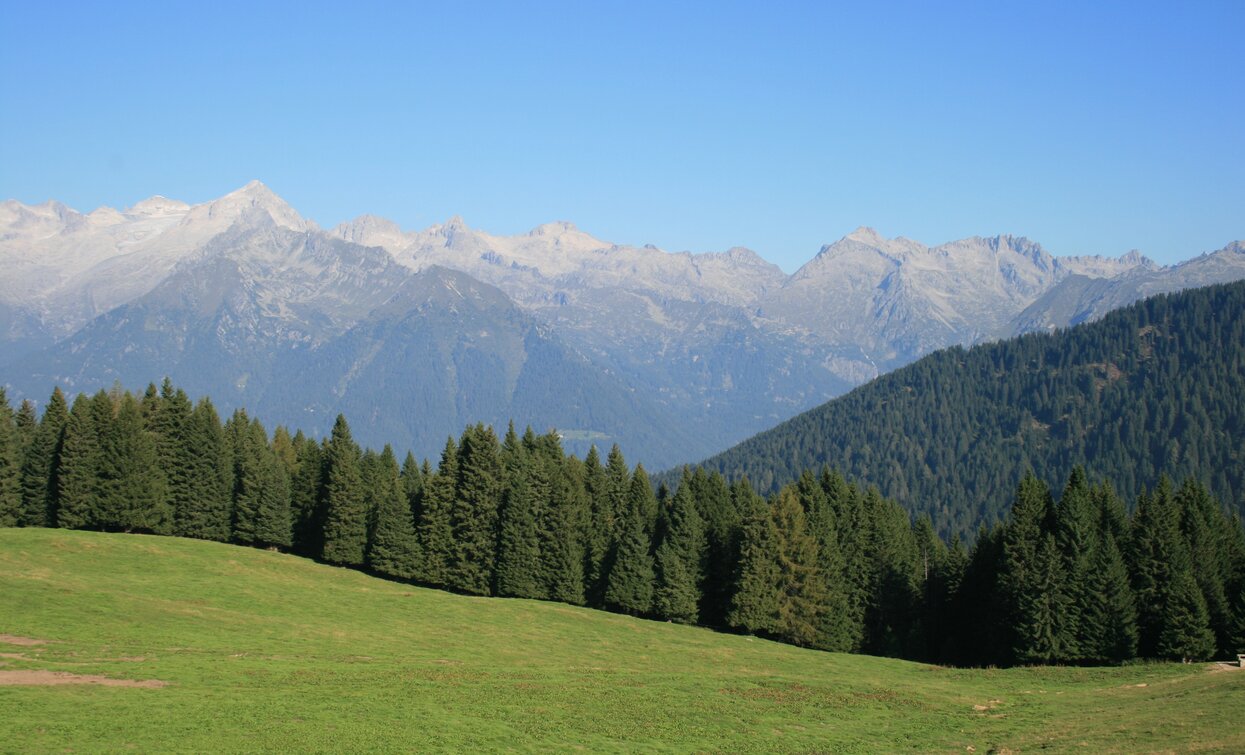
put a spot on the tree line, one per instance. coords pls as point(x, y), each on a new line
point(823, 562)
point(1151, 389)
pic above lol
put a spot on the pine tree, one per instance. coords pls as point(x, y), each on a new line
point(251, 465)
point(307, 497)
point(1185, 634)
point(630, 579)
point(1023, 539)
point(1041, 630)
point(601, 528)
point(1158, 553)
point(1077, 537)
point(716, 506)
point(79, 465)
point(1109, 627)
point(10, 466)
point(833, 631)
point(41, 467)
point(391, 545)
point(169, 420)
point(131, 488)
point(204, 507)
point(804, 594)
point(473, 516)
point(346, 516)
point(518, 550)
point(412, 486)
point(680, 559)
point(433, 532)
point(562, 525)
point(756, 607)
point(1205, 529)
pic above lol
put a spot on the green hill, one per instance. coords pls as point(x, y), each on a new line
point(257, 650)
point(1155, 388)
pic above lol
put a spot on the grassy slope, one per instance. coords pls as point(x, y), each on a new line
point(268, 651)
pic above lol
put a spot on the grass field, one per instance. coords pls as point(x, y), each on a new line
point(263, 651)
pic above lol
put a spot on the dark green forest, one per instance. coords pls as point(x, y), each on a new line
point(1155, 388)
point(823, 562)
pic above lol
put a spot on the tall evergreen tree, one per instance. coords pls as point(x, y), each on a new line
point(306, 497)
point(680, 559)
point(1041, 631)
point(563, 524)
point(79, 465)
point(41, 467)
point(10, 466)
point(391, 544)
point(1077, 529)
point(346, 516)
point(168, 417)
point(1109, 627)
point(756, 607)
point(131, 487)
point(203, 509)
point(834, 630)
point(433, 532)
point(630, 580)
point(1022, 576)
point(518, 549)
point(473, 517)
point(1206, 530)
point(1185, 631)
point(602, 530)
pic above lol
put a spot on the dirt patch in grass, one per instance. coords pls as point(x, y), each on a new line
point(11, 639)
point(32, 678)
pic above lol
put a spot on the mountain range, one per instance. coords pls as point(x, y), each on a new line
point(416, 333)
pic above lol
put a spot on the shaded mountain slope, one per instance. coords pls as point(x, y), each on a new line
point(1156, 388)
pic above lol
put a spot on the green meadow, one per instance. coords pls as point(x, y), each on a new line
point(243, 649)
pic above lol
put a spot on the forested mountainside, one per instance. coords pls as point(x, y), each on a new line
point(414, 334)
point(1155, 388)
point(823, 563)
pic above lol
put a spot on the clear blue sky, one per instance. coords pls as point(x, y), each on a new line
point(1090, 127)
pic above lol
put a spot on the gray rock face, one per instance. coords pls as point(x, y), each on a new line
point(415, 334)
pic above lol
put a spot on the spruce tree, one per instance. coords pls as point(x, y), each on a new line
point(833, 631)
point(169, 420)
point(10, 466)
point(1158, 554)
point(804, 592)
point(1077, 537)
point(1023, 539)
point(756, 607)
point(307, 498)
point(562, 526)
point(346, 516)
point(1109, 627)
point(41, 467)
point(78, 480)
point(473, 516)
point(1185, 634)
point(203, 509)
point(600, 538)
point(433, 532)
point(412, 486)
point(630, 580)
point(391, 545)
point(518, 549)
point(1041, 629)
point(680, 559)
point(1206, 530)
point(131, 488)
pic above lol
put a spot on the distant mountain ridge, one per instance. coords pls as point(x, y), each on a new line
point(710, 347)
point(1154, 388)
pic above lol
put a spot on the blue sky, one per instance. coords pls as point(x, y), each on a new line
point(1090, 127)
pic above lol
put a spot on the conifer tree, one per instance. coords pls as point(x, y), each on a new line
point(1158, 553)
point(833, 631)
point(601, 528)
point(1185, 633)
point(1041, 633)
point(307, 497)
point(391, 545)
point(629, 582)
point(473, 516)
point(804, 591)
point(10, 466)
point(618, 483)
point(1077, 537)
point(562, 525)
point(518, 550)
point(131, 487)
point(1109, 627)
point(412, 486)
point(169, 420)
point(1021, 576)
point(433, 531)
point(41, 467)
point(203, 510)
point(1206, 530)
point(680, 559)
point(716, 506)
point(252, 472)
point(79, 464)
point(346, 516)
point(273, 519)
point(756, 607)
